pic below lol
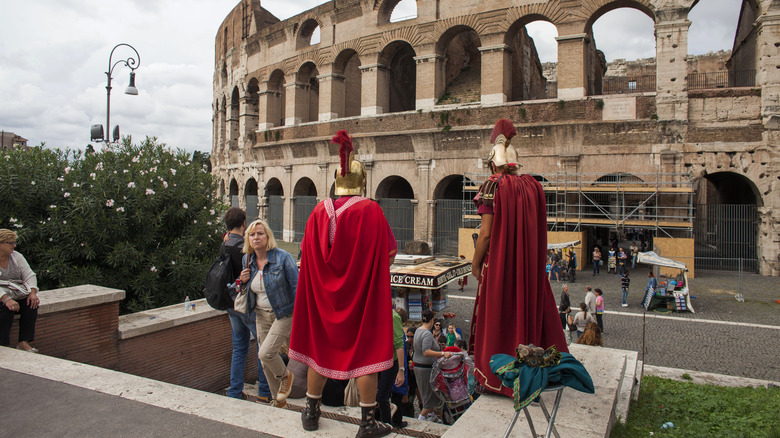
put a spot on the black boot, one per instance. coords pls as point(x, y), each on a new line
point(369, 427)
point(310, 417)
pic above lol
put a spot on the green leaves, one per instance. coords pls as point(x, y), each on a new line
point(142, 218)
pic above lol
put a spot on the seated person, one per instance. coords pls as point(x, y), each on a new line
point(591, 336)
point(18, 294)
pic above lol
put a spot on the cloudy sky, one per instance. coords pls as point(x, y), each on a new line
point(54, 55)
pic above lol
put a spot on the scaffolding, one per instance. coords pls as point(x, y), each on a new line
point(660, 202)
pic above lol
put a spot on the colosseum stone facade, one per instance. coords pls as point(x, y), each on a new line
point(690, 159)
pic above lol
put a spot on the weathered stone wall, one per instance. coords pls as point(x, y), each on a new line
point(668, 130)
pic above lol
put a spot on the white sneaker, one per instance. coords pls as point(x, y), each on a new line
point(421, 418)
point(625, 305)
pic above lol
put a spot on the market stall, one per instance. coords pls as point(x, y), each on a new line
point(672, 292)
point(419, 282)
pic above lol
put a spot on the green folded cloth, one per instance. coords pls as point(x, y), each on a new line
point(529, 381)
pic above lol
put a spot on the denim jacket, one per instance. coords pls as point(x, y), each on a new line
point(280, 278)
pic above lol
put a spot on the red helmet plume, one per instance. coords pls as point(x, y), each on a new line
point(346, 148)
point(505, 127)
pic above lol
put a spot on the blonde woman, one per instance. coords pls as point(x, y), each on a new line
point(18, 293)
point(271, 275)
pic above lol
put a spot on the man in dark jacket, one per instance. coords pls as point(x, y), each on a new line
point(242, 324)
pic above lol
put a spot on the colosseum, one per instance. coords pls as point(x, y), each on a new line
point(678, 151)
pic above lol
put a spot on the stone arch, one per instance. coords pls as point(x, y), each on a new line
point(637, 78)
point(596, 9)
point(235, 111)
point(527, 79)
point(277, 97)
point(395, 187)
point(400, 80)
point(305, 187)
point(396, 197)
point(274, 187)
point(448, 214)
point(223, 122)
point(727, 222)
point(252, 107)
point(303, 37)
point(449, 187)
point(307, 93)
point(234, 193)
point(274, 196)
point(459, 45)
point(729, 188)
point(252, 200)
point(347, 64)
point(385, 10)
point(304, 201)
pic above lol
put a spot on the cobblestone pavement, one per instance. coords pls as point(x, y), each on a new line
point(724, 336)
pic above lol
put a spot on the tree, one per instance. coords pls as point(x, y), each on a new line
point(141, 218)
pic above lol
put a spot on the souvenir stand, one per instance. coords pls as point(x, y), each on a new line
point(672, 292)
point(419, 282)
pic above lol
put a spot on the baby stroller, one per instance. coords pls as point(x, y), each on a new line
point(568, 272)
point(453, 382)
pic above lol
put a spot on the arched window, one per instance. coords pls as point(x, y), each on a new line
point(624, 61)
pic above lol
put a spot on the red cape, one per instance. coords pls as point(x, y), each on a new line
point(515, 304)
point(342, 324)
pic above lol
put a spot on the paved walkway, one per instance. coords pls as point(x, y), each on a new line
point(61, 410)
point(724, 336)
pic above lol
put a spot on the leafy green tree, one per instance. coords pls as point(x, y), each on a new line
point(141, 218)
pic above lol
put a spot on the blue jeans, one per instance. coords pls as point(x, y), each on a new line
point(242, 325)
point(625, 294)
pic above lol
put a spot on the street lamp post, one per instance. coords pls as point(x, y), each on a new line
point(132, 62)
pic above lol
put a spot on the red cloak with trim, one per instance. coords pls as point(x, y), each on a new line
point(342, 324)
point(515, 304)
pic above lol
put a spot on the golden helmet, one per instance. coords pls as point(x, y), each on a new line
point(351, 175)
point(503, 153)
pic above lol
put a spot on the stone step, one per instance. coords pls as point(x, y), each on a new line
point(352, 415)
point(464, 88)
point(627, 385)
point(580, 415)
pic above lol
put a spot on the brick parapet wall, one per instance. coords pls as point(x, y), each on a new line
point(195, 354)
point(193, 349)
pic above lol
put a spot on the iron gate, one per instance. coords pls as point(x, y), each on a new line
point(400, 216)
point(302, 208)
point(276, 215)
point(234, 201)
point(448, 220)
point(724, 235)
point(252, 210)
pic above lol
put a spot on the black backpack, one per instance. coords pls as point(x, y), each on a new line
point(220, 275)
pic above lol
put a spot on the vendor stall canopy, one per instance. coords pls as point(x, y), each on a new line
point(651, 258)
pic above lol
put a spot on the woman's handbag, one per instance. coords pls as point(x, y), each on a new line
point(241, 302)
point(351, 394)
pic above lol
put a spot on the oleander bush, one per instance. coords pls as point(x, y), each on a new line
point(142, 218)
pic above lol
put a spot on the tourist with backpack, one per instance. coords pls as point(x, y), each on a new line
point(241, 324)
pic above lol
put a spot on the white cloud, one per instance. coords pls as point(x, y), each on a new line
point(53, 55)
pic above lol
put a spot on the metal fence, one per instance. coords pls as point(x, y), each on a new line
point(726, 235)
point(302, 208)
point(721, 79)
point(252, 210)
point(449, 214)
point(400, 216)
point(628, 84)
point(276, 215)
